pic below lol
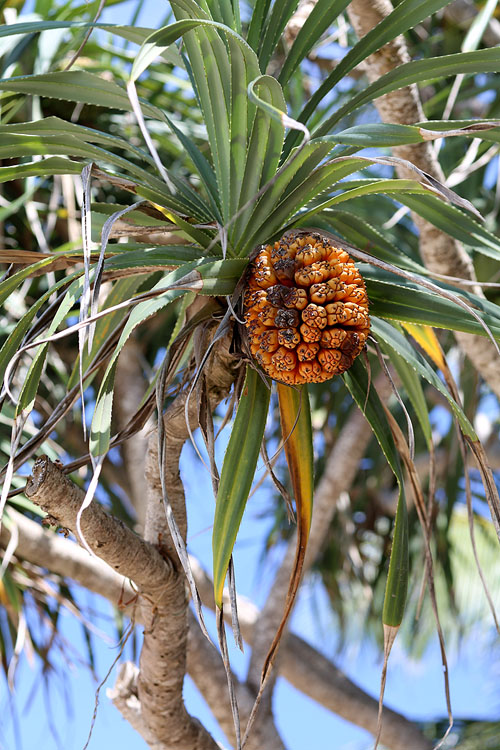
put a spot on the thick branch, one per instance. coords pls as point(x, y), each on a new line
point(157, 579)
point(129, 391)
point(441, 253)
point(313, 675)
point(124, 697)
point(316, 676)
point(65, 558)
point(163, 655)
point(108, 537)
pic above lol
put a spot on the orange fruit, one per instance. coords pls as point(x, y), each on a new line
point(305, 308)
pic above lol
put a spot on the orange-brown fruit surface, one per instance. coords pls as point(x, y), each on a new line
point(306, 309)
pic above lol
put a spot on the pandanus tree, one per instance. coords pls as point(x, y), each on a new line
point(212, 172)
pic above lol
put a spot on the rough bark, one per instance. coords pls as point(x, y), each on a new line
point(65, 558)
point(441, 253)
point(124, 696)
point(315, 675)
point(163, 655)
point(108, 537)
point(130, 386)
point(158, 581)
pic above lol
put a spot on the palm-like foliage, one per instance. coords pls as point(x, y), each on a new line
point(224, 169)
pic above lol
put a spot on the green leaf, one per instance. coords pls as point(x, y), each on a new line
point(237, 473)
point(263, 151)
point(372, 187)
point(303, 162)
point(323, 14)
point(218, 277)
point(267, 94)
point(76, 86)
point(54, 126)
point(227, 12)
point(404, 300)
point(321, 179)
point(276, 22)
point(479, 127)
point(257, 21)
point(42, 168)
point(380, 135)
point(155, 191)
point(405, 15)
point(10, 284)
point(204, 277)
point(19, 144)
point(423, 179)
point(242, 114)
point(219, 93)
point(413, 387)
point(100, 430)
point(360, 233)
point(396, 588)
point(418, 71)
point(294, 186)
point(396, 344)
point(123, 289)
point(157, 42)
point(31, 382)
point(454, 222)
point(204, 168)
point(32, 379)
point(16, 337)
point(13, 144)
point(131, 33)
point(356, 380)
point(161, 255)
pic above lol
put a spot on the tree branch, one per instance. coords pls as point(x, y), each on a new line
point(130, 386)
point(63, 557)
point(314, 675)
point(158, 581)
point(163, 655)
point(125, 698)
point(107, 536)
